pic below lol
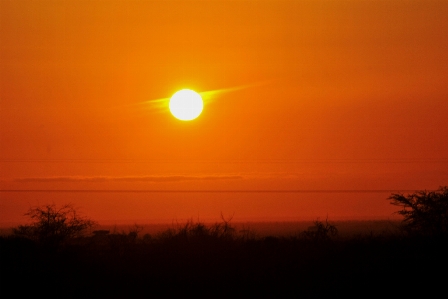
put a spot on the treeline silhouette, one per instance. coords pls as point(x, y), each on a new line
point(51, 256)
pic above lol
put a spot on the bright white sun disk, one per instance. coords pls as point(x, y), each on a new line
point(186, 104)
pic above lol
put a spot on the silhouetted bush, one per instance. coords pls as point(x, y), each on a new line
point(424, 212)
point(52, 225)
point(320, 231)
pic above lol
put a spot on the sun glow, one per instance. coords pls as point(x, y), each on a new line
point(186, 104)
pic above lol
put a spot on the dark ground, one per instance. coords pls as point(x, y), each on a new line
point(204, 263)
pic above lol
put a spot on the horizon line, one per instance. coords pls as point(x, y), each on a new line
point(215, 191)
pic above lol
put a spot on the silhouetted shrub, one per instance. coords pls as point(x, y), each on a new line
point(424, 212)
point(320, 232)
point(52, 225)
point(199, 232)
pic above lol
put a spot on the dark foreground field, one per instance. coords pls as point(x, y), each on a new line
point(215, 261)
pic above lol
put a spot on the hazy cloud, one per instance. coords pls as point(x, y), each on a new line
point(150, 179)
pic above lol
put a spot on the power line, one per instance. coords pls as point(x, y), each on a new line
point(205, 191)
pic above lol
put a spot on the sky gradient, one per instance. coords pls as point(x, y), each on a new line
point(305, 96)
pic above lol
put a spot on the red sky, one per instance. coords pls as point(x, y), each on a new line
point(337, 95)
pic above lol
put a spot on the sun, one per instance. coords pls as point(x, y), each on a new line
point(186, 104)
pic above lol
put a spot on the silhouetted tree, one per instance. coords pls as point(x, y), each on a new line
point(52, 225)
point(424, 212)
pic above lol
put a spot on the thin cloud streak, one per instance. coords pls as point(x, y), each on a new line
point(149, 179)
point(211, 94)
point(207, 96)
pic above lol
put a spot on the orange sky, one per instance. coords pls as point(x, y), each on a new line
point(337, 95)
